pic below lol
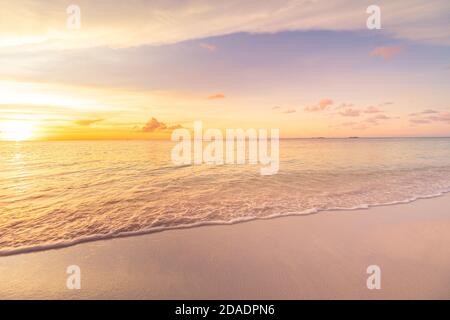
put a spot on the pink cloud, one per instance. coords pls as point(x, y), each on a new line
point(435, 117)
point(375, 119)
point(354, 125)
point(424, 112)
point(386, 52)
point(344, 105)
point(313, 108)
point(349, 112)
point(443, 117)
point(209, 47)
point(216, 96)
point(372, 109)
point(359, 127)
point(419, 121)
point(381, 117)
point(429, 111)
point(322, 105)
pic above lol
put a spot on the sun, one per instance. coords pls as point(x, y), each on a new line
point(15, 130)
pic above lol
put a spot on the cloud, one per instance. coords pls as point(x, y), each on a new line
point(320, 106)
point(284, 111)
point(158, 22)
point(433, 116)
point(374, 120)
point(209, 47)
point(354, 125)
point(349, 112)
point(424, 112)
point(176, 126)
point(381, 117)
point(344, 105)
point(429, 111)
point(372, 109)
point(386, 52)
point(441, 117)
point(324, 103)
point(313, 108)
point(86, 123)
point(419, 121)
point(216, 96)
point(359, 127)
point(377, 118)
point(154, 126)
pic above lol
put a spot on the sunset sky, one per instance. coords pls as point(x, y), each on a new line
point(138, 69)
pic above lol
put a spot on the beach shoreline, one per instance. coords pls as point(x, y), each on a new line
point(318, 256)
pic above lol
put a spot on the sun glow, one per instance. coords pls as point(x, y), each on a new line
point(14, 130)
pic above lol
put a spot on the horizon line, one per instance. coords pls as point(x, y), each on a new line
point(286, 138)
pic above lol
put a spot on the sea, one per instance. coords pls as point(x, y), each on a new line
point(59, 193)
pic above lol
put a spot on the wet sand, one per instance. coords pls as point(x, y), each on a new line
point(321, 256)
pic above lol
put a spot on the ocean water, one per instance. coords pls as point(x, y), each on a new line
point(55, 194)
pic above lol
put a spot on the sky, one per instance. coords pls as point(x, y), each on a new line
point(139, 69)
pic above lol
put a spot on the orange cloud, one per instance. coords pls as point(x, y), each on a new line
point(154, 125)
point(386, 52)
point(86, 123)
point(216, 96)
point(289, 111)
point(322, 105)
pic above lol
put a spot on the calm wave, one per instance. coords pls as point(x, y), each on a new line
point(55, 194)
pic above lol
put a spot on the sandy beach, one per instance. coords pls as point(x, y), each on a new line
point(299, 257)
